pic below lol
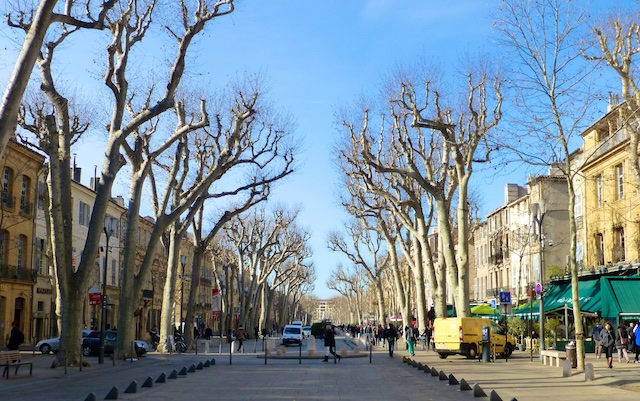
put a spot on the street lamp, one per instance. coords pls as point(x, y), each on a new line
point(538, 211)
point(109, 223)
point(183, 262)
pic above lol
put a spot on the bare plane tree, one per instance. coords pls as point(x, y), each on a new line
point(552, 85)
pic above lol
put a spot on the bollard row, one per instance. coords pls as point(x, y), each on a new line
point(133, 387)
point(476, 390)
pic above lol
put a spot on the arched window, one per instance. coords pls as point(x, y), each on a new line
point(22, 252)
point(7, 179)
point(25, 195)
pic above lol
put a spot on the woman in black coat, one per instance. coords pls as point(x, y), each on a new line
point(330, 344)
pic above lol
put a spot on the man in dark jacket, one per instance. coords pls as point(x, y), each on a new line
point(391, 334)
point(330, 344)
point(15, 337)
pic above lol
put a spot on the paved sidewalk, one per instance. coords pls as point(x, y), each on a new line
point(523, 379)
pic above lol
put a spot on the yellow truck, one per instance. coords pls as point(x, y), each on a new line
point(463, 335)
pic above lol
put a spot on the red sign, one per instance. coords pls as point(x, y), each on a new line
point(216, 313)
point(95, 298)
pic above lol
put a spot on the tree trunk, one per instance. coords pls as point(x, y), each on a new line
point(167, 314)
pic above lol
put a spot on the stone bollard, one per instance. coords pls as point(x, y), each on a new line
point(311, 344)
point(589, 373)
point(312, 352)
point(233, 347)
point(566, 368)
point(207, 346)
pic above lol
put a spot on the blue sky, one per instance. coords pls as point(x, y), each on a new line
point(315, 56)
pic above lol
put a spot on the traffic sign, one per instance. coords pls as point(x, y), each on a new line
point(538, 288)
point(505, 297)
point(493, 304)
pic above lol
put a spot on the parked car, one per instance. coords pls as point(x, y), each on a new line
point(306, 330)
point(292, 334)
point(91, 344)
point(53, 344)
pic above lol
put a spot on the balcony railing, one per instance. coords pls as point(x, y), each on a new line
point(26, 208)
point(8, 201)
point(12, 272)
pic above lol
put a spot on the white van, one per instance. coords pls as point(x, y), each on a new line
point(292, 334)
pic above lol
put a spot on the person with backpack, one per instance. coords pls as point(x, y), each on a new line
point(622, 343)
point(15, 337)
point(412, 335)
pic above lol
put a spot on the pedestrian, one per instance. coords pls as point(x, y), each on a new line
point(632, 337)
point(595, 336)
point(15, 337)
point(427, 333)
point(608, 340)
point(622, 343)
point(636, 338)
point(240, 337)
point(391, 334)
point(412, 335)
point(330, 344)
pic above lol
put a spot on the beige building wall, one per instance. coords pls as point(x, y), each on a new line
point(611, 203)
point(20, 168)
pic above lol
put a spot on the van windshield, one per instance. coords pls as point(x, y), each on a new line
point(292, 330)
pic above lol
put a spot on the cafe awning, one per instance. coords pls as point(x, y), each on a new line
point(559, 296)
point(620, 296)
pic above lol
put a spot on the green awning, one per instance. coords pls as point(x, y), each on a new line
point(527, 310)
point(620, 295)
point(559, 295)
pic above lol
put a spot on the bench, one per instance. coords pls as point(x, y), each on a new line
point(9, 359)
point(552, 357)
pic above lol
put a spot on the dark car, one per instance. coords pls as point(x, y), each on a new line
point(91, 344)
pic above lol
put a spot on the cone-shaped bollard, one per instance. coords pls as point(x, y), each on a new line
point(192, 368)
point(213, 361)
point(493, 396)
point(90, 397)
point(173, 375)
point(133, 388)
point(206, 364)
point(162, 378)
point(183, 371)
point(199, 367)
point(426, 368)
point(443, 376)
point(464, 386)
point(113, 394)
point(453, 381)
point(420, 366)
point(434, 372)
point(478, 391)
point(148, 382)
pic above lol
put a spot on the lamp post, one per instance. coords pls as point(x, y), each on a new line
point(108, 232)
point(183, 262)
point(538, 211)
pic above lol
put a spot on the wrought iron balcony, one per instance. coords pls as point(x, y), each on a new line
point(12, 272)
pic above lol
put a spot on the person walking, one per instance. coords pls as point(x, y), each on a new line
point(391, 334)
point(412, 335)
point(622, 343)
point(636, 340)
point(595, 336)
point(427, 333)
point(608, 340)
point(240, 338)
point(15, 337)
point(330, 344)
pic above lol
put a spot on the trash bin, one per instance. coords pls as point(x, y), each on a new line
point(572, 355)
